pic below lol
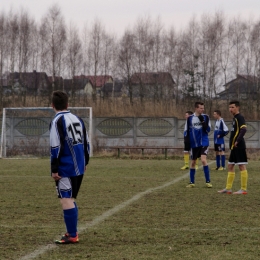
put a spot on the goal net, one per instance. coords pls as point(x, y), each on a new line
point(25, 131)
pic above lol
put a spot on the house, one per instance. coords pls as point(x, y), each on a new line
point(78, 84)
point(152, 85)
point(29, 82)
point(112, 89)
point(242, 87)
point(58, 82)
point(95, 82)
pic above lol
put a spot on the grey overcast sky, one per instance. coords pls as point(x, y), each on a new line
point(117, 15)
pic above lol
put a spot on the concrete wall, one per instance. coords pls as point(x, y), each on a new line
point(31, 135)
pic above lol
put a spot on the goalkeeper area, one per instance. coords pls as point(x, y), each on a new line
point(129, 209)
point(25, 131)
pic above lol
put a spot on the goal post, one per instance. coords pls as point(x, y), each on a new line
point(25, 131)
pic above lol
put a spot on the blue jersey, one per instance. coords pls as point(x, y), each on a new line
point(68, 144)
point(221, 130)
point(196, 132)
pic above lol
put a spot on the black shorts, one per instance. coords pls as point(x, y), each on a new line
point(186, 146)
point(68, 187)
point(198, 151)
point(219, 147)
point(237, 156)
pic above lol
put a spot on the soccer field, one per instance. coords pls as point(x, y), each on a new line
point(129, 209)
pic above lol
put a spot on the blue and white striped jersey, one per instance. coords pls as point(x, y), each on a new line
point(197, 132)
point(69, 145)
point(220, 130)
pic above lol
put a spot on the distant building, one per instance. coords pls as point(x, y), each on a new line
point(95, 82)
point(242, 87)
point(78, 85)
point(153, 85)
point(36, 83)
point(112, 89)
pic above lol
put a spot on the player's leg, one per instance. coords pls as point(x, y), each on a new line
point(194, 156)
point(231, 173)
point(204, 153)
point(217, 157)
point(242, 161)
point(186, 157)
point(223, 157)
point(68, 189)
point(197, 164)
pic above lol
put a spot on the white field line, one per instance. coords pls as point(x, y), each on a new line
point(41, 250)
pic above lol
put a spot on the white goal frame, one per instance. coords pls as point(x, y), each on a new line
point(3, 134)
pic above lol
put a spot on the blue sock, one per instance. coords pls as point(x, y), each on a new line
point(192, 175)
point(223, 160)
point(69, 217)
point(206, 173)
point(76, 207)
point(218, 160)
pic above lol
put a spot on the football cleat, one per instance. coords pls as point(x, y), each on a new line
point(185, 167)
point(244, 192)
point(67, 239)
point(190, 185)
point(209, 185)
point(221, 169)
point(225, 191)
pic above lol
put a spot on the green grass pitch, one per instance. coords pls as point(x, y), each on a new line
point(128, 210)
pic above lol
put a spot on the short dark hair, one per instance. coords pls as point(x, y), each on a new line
point(189, 112)
point(218, 112)
point(198, 103)
point(59, 100)
point(234, 102)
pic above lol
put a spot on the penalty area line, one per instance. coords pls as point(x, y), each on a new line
point(105, 215)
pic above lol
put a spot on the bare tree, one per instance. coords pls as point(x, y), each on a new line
point(74, 56)
point(13, 32)
point(126, 60)
point(94, 52)
point(143, 46)
point(3, 48)
point(54, 33)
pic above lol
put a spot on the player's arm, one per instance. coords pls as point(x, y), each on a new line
point(56, 142)
point(186, 132)
point(224, 129)
point(205, 122)
point(86, 144)
point(242, 129)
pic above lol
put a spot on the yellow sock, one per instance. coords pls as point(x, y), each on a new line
point(230, 179)
point(244, 177)
point(197, 163)
point(186, 159)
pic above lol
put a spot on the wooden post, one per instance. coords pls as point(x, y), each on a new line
point(118, 152)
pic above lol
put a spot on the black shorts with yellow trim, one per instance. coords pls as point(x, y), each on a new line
point(237, 156)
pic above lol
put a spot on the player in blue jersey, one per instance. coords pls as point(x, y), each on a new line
point(186, 151)
point(220, 131)
point(196, 131)
point(69, 158)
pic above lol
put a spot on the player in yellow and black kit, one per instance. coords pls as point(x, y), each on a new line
point(238, 154)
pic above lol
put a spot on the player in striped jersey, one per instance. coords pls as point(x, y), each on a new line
point(220, 131)
point(196, 131)
point(69, 158)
